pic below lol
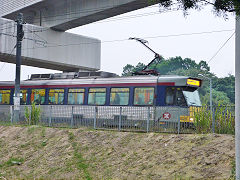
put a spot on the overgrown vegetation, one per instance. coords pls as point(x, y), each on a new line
point(32, 114)
point(224, 120)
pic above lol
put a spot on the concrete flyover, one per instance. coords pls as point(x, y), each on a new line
point(62, 15)
point(50, 18)
point(46, 48)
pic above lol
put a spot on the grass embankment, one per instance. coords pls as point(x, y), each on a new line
point(52, 153)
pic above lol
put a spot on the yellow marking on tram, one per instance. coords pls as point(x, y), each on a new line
point(193, 82)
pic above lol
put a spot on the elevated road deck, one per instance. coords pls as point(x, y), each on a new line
point(62, 15)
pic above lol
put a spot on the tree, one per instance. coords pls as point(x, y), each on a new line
point(203, 66)
point(172, 64)
point(189, 63)
point(227, 85)
point(221, 7)
point(128, 70)
point(223, 88)
point(219, 98)
point(139, 67)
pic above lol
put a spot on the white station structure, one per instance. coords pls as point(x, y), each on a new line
point(45, 43)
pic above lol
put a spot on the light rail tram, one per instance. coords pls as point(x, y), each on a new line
point(165, 93)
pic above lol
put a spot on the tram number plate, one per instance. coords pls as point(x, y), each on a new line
point(166, 115)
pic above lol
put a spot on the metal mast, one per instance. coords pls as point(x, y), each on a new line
point(20, 35)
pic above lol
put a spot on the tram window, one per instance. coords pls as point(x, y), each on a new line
point(97, 96)
point(119, 96)
point(5, 96)
point(38, 96)
point(56, 96)
point(143, 96)
point(170, 96)
point(174, 97)
point(76, 96)
point(23, 96)
point(180, 100)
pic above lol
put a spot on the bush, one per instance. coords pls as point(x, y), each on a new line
point(224, 120)
point(203, 120)
point(32, 115)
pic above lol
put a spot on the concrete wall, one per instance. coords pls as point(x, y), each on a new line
point(50, 49)
point(10, 6)
point(62, 15)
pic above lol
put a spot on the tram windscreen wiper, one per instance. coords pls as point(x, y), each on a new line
point(192, 103)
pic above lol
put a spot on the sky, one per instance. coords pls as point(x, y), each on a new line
point(168, 33)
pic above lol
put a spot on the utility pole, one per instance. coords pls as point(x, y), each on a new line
point(211, 108)
point(210, 86)
point(20, 35)
point(237, 98)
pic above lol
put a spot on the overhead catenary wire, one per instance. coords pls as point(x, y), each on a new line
point(37, 30)
point(149, 37)
point(35, 40)
point(9, 27)
point(221, 47)
point(51, 45)
point(43, 40)
point(10, 54)
point(5, 23)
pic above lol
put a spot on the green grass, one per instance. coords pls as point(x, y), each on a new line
point(81, 163)
point(5, 123)
point(12, 162)
point(31, 129)
point(44, 143)
point(233, 171)
point(43, 132)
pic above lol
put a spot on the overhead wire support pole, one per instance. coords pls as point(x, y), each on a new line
point(237, 97)
point(20, 35)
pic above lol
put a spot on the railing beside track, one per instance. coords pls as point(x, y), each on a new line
point(125, 118)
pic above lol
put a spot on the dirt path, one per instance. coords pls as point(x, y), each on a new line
point(51, 153)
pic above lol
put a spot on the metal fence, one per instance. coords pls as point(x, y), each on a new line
point(125, 118)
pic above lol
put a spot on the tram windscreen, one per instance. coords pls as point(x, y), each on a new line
point(192, 98)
